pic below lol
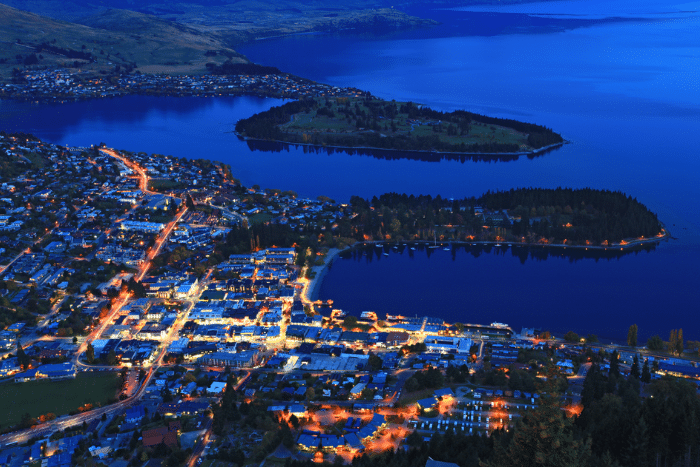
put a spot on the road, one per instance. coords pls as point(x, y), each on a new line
point(143, 177)
point(243, 220)
point(9, 265)
point(201, 444)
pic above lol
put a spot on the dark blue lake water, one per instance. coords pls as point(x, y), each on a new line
point(620, 80)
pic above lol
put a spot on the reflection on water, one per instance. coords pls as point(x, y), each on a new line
point(388, 155)
point(370, 253)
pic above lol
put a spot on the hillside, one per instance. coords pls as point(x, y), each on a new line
point(153, 44)
point(238, 21)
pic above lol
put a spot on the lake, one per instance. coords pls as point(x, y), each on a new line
point(619, 80)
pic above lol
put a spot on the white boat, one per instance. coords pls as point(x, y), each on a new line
point(447, 248)
point(413, 249)
point(386, 254)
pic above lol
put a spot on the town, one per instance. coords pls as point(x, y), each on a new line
point(174, 309)
point(62, 85)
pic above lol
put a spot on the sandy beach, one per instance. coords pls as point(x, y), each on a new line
point(315, 284)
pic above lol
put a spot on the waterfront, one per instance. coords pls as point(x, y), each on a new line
point(555, 289)
point(626, 99)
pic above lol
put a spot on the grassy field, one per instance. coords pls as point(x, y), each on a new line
point(332, 127)
point(58, 397)
point(260, 218)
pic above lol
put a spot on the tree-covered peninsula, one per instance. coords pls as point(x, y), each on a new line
point(562, 216)
point(368, 122)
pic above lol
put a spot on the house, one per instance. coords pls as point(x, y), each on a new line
point(356, 391)
point(9, 366)
point(217, 387)
point(427, 403)
point(159, 435)
point(134, 414)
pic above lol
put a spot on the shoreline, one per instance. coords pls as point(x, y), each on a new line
point(416, 151)
point(310, 292)
point(636, 243)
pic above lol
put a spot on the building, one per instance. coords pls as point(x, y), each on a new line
point(57, 371)
point(245, 359)
point(134, 414)
point(435, 343)
point(159, 435)
point(146, 227)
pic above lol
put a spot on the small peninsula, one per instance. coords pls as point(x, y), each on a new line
point(365, 121)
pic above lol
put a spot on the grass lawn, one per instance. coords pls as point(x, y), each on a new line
point(260, 218)
point(58, 397)
point(409, 398)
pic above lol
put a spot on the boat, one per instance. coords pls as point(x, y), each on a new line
point(386, 254)
point(412, 248)
point(435, 245)
point(497, 244)
point(447, 248)
point(378, 245)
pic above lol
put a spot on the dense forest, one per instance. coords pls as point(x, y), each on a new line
point(528, 215)
point(376, 125)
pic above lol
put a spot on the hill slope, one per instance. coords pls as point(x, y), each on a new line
point(117, 37)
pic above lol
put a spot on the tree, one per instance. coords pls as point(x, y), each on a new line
point(294, 420)
point(655, 343)
point(90, 353)
point(634, 372)
point(112, 357)
point(571, 336)
point(22, 358)
point(679, 342)
point(543, 437)
point(614, 364)
point(591, 338)
point(349, 322)
point(375, 362)
point(632, 336)
point(672, 341)
point(646, 374)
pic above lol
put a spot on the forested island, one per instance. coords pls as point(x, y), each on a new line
point(369, 122)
